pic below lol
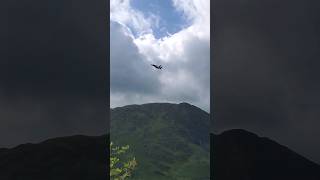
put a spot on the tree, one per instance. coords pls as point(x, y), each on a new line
point(120, 169)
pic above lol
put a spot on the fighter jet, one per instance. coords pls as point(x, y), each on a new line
point(156, 66)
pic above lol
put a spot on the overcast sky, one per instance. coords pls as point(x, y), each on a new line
point(175, 34)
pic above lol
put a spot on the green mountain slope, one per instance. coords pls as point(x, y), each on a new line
point(169, 141)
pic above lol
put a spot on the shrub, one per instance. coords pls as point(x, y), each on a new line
point(120, 168)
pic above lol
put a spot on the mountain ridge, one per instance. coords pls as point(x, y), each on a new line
point(165, 148)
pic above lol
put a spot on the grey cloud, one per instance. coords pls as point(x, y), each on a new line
point(133, 80)
point(130, 72)
point(181, 80)
point(195, 64)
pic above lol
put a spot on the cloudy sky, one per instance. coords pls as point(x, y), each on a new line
point(173, 33)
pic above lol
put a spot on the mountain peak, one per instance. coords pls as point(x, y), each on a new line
point(165, 137)
point(158, 104)
point(185, 103)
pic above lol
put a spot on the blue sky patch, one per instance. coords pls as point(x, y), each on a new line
point(171, 20)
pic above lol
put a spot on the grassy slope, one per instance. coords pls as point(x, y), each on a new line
point(163, 138)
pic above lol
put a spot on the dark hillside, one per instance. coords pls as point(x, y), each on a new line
point(241, 155)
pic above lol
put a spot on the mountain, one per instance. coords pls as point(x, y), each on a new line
point(169, 141)
point(74, 157)
point(241, 155)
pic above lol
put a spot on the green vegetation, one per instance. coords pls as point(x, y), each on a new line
point(120, 169)
point(170, 141)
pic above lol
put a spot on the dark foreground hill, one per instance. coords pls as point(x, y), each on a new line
point(74, 157)
point(241, 155)
point(169, 141)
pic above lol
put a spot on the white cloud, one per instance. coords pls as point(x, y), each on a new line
point(123, 13)
point(184, 55)
point(197, 11)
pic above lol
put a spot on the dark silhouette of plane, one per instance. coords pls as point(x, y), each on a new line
point(158, 67)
